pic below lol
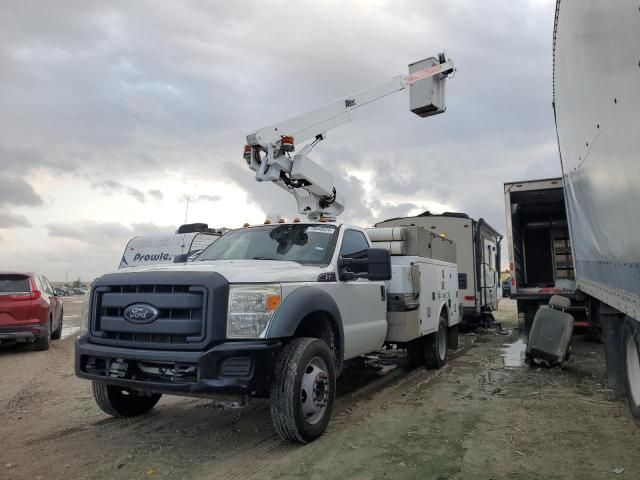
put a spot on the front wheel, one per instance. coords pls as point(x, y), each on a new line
point(122, 402)
point(303, 392)
point(630, 346)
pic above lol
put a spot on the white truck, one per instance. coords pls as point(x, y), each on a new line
point(478, 259)
point(276, 310)
point(596, 105)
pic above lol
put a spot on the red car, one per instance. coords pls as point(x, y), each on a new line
point(29, 310)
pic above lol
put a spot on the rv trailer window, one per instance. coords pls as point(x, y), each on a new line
point(462, 281)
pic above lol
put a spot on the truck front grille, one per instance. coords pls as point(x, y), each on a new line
point(181, 319)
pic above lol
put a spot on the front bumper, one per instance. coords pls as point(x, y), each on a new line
point(243, 367)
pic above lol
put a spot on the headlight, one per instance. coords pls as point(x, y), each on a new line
point(250, 309)
point(84, 313)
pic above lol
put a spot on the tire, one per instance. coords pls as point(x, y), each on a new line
point(44, 342)
point(122, 402)
point(303, 391)
point(453, 341)
point(57, 333)
point(631, 360)
point(435, 346)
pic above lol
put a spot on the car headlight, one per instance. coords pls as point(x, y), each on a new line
point(84, 313)
point(250, 309)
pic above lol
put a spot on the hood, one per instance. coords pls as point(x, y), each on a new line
point(245, 271)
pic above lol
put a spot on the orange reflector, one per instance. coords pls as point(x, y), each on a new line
point(287, 143)
point(281, 220)
point(245, 225)
point(443, 235)
point(466, 226)
point(267, 222)
point(247, 152)
point(323, 220)
point(272, 302)
point(296, 220)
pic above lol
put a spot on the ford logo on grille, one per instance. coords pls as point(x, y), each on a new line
point(141, 313)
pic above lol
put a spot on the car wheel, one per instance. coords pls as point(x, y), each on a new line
point(57, 333)
point(303, 392)
point(123, 402)
point(43, 342)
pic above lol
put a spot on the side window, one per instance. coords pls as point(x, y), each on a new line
point(47, 285)
point(353, 243)
point(462, 281)
point(39, 284)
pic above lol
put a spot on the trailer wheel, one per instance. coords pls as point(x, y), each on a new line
point(435, 346)
point(122, 402)
point(303, 392)
point(631, 349)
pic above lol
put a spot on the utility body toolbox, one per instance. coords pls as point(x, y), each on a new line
point(424, 281)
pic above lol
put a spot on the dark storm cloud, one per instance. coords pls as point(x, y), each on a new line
point(9, 220)
point(200, 198)
point(101, 233)
point(16, 191)
point(111, 186)
point(156, 194)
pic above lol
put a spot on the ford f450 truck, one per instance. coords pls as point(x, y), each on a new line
point(269, 311)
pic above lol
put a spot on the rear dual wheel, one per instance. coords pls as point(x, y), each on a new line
point(631, 357)
point(123, 402)
point(430, 350)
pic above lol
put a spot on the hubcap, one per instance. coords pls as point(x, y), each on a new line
point(633, 370)
point(315, 389)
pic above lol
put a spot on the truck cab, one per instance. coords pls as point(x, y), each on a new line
point(266, 311)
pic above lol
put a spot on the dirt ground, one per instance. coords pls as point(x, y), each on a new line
point(484, 416)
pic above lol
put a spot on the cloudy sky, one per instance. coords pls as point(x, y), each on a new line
point(111, 113)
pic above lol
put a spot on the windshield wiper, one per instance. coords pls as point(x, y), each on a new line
point(264, 258)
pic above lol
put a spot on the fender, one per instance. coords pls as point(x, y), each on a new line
point(297, 305)
point(444, 307)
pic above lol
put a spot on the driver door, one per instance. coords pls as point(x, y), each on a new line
point(362, 303)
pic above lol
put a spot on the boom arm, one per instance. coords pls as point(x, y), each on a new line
point(268, 150)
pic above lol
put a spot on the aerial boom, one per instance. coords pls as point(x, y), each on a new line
point(268, 150)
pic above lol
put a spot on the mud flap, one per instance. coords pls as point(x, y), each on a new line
point(452, 338)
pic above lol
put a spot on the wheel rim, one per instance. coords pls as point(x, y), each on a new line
point(633, 370)
point(315, 390)
point(442, 341)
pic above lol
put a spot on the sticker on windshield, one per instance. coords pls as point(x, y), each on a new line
point(320, 249)
point(320, 230)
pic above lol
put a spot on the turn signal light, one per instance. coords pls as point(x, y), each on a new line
point(272, 302)
point(247, 152)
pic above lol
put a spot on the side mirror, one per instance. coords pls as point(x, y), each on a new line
point(376, 263)
point(379, 264)
point(182, 258)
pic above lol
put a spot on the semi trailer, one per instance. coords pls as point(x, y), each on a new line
point(276, 310)
point(596, 101)
point(478, 259)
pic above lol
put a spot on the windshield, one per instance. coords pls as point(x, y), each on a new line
point(302, 243)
